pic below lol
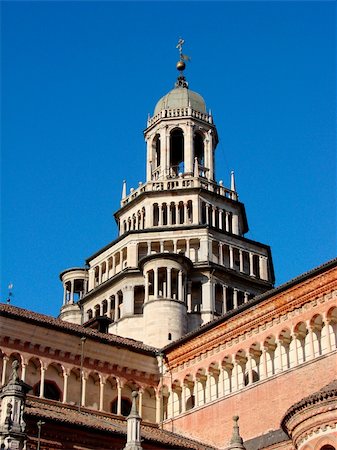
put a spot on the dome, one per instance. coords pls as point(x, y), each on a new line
point(181, 98)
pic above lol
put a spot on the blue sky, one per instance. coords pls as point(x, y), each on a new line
point(78, 80)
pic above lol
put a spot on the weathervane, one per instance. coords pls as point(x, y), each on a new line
point(181, 82)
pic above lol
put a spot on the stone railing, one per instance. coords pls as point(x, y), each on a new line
point(179, 112)
point(180, 182)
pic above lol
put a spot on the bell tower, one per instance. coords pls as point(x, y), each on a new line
point(181, 258)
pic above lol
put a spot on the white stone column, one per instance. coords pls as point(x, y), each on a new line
point(263, 372)
point(246, 296)
point(311, 341)
point(213, 216)
point(42, 377)
point(4, 367)
point(251, 265)
point(183, 398)
point(177, 213)
point(195, 392)
point(264, 268)
point(64, 293)
point(140, 402)
point(169, 282)
point(227, 220)
point(220, 219)
point(241, 260)
point(119, 398)
point(65, 385)
point(161, 246)
point(114, 265)
point(187, 248)
point(175, 246)
point(155, 282)
point(185, 214)
point(278, 349)
point(235, 376)
point(294, 338)
point(160, 212)
point(72, 292)
point(101, 392)
point(146, 295)
point(235, 298)
point(208, 387)
point(180, 286)
point(109, 307)
point(250, 368)
point(100, 274)
point(116, 307)
point(326, 322)
point(189, 296)
point(170, 406)
point(221, 253)
point(23, 371)
point(158, 408)
point(231, 257)
point(84, 388)
point(207, 214)
point(221, 381)
point(224, 298)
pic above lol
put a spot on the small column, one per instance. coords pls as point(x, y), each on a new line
point(180, 286)
point(241, 260)
point(43, 371)
point(227, 220)
point(263, 267)
point(224, 296)
point(23, 371)
point(170, 406)
point(207, 214)
point(160, 221)
point(169, 282)
point(146, 295)
point(208, 387)
point(189, 296)
point(100, 274)
point(220, 219)
point(114, 265)
point(155, 282)
point(279, 367)
point(311, 341)
point(72, 292)
point(101, 392)
point(65, 385)
point(294, 338)
point(264, 363)
point(4, 367)
point(183, 398)
point(188, 248)
point(235, 375)
point(250, 369)
point(251, 265)
point(84, 388)
point(177, 214)
point(235, 298)
point(213, 216)
point(246, 297)
point(221, 380)
point(64, 294)
point(195, 392)
point(185, 214)
point(175, 246)
point(326, 322)
point(231, 257)
point(119, 399)
point(116, 308)
point(109, 308)
point(161, 250)
point(140, 402)
point(221, 253)
point(149, 247)
point(158, 408)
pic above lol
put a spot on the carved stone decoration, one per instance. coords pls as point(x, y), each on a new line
point(236, 441)
point(12, 424)
point(133, 427)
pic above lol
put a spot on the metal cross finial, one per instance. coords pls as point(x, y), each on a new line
point(180, 46)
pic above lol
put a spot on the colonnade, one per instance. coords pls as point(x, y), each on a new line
point(108, 268)
point(88, 389)
point(173, 213)
point(274, 355)
point(219, 218)
point(165, 282)
point(134, 222)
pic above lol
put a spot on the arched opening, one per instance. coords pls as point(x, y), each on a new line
point(51, 390)
point(327, 447)
point(156, 147)
point(125, 406)
point(199, 150)
point(155, 214)
point(177, 151)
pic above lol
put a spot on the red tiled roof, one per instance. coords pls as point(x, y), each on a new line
point(71, 328)
point(52, 411)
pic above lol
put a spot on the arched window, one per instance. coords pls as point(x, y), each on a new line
point(177, 151)
point(51, 390)
point(125, 407)
point(199, 150)
point(328, 447)
point(156, 147)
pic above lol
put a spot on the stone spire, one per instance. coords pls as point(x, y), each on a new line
point(12, 425)
point(133, 441)
point(236, 441)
